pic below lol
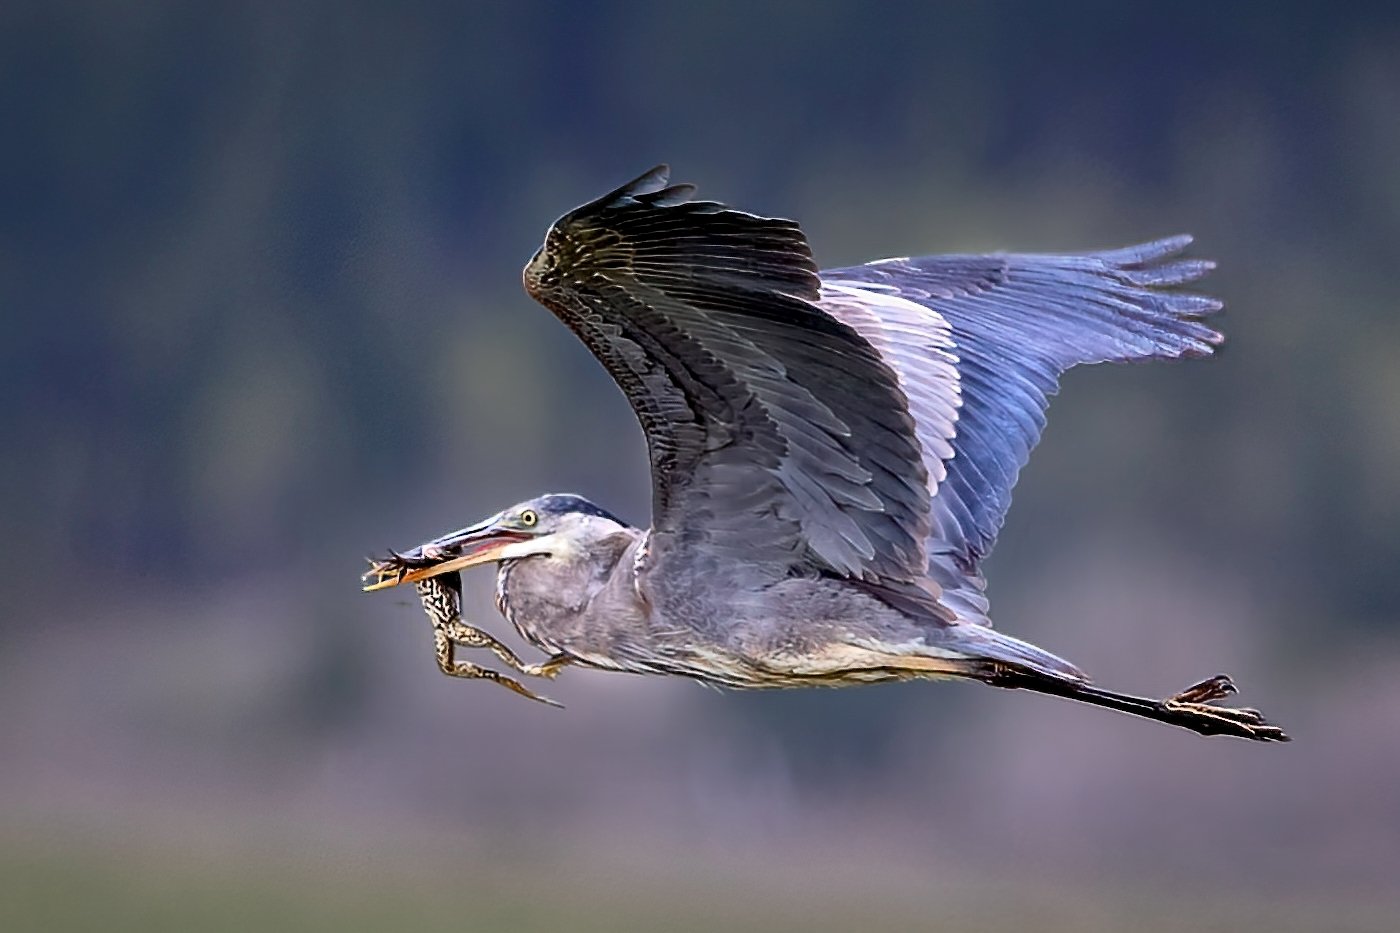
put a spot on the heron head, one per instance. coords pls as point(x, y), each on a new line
point(555, 524)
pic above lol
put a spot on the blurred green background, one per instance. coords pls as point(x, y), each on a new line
point(258, 272)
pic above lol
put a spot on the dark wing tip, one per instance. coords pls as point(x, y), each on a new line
point(681, 240)
point(669, 197)
point(652, 189)
point(644, 187)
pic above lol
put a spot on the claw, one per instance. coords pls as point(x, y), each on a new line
point(1216, 688)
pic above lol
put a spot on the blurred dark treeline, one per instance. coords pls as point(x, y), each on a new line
point(260, 259)
point(262, 315)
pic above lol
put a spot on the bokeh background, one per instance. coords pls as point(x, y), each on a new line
point(258, 278)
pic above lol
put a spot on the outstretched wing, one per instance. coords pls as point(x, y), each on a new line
point(777, 434)
point(1013, 323)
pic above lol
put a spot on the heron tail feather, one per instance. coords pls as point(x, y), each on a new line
point(988, 644)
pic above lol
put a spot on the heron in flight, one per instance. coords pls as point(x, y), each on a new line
point(832, 455)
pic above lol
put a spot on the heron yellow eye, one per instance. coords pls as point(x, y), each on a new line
point(529, 518)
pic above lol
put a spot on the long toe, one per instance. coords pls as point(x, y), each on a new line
point(1225, 720)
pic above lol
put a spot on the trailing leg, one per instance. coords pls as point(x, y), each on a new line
point(1191, 709)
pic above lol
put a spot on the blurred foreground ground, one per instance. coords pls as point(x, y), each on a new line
point(85, 883)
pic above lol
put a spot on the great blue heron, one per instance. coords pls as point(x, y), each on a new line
point(832, 455)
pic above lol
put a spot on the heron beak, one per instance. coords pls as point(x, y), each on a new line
point(477, 544)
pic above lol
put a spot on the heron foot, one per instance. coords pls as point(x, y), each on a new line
point(1195, 709)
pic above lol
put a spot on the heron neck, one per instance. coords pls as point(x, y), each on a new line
point(569, 604)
